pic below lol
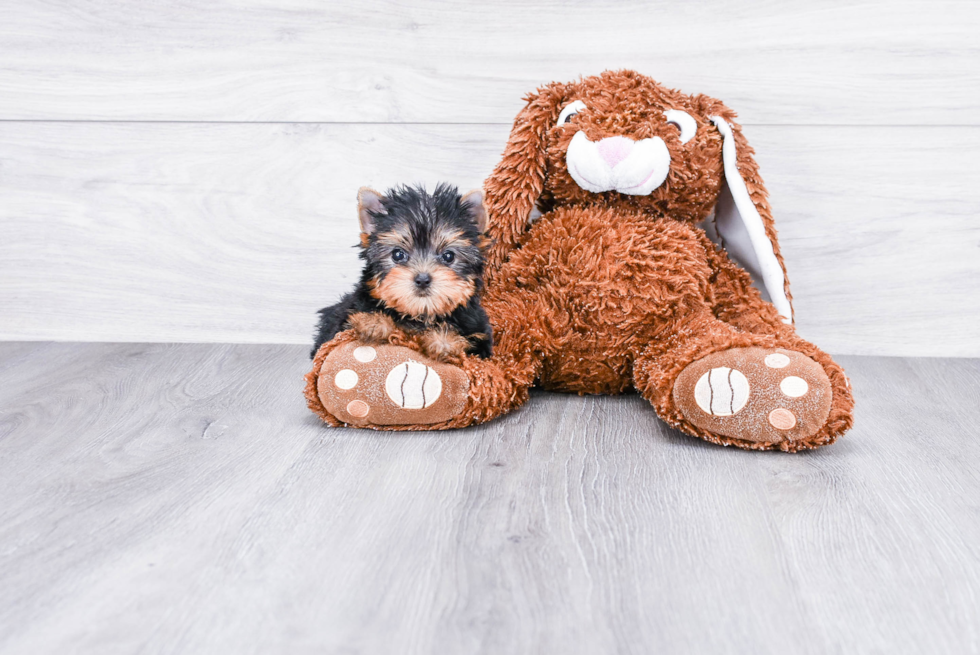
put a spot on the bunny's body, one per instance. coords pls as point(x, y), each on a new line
point(592, 299)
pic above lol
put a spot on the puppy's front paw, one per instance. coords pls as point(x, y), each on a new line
point(372, 327)
point(444, 344)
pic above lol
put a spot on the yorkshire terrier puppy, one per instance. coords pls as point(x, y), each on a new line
point(423, 272)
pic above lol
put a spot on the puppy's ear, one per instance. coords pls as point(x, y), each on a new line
point(368, 200)
point(513, 189)
point(477, 210)
point(743, 222)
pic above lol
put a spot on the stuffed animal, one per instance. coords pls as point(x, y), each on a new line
point(632, 247)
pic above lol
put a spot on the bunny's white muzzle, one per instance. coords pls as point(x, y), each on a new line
point(635, 168)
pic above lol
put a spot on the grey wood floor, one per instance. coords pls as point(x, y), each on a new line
point(181, 499)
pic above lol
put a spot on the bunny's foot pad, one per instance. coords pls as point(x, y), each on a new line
point(759, 395)
point(365, 385)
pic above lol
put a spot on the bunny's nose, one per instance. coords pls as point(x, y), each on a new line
point(615, 149)
point(423, 280)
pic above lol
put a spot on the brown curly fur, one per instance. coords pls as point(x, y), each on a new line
point(607, 292)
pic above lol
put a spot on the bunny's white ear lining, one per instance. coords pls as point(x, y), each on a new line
point(739, 228)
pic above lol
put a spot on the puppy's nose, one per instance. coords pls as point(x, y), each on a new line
point(423, 280)
point(615, 149)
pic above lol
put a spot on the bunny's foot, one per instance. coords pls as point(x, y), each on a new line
point(385, 385)
point(765, 396)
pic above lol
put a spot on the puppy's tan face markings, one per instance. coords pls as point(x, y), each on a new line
point(451, 239)
point(446, 292)
point(399, 237)
point(444, 248)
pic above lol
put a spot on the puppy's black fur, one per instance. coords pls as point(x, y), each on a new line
point(423, 267)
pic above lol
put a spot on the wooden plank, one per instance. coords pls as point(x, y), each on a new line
point(181, 499)
point(184, 232)
point(877, 229)
point(823, 62)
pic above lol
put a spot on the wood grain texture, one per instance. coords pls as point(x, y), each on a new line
point(814, 62)
point(181, 499)
point(205, 232)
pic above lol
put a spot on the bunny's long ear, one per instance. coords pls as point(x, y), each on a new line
point(514, 187)
point(743, 223)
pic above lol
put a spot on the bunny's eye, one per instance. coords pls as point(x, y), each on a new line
point(569, 111)
point(684, 122)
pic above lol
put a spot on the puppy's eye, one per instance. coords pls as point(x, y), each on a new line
point(398, 255)
point(684, 122)
point(448, 257)
point(569, 111)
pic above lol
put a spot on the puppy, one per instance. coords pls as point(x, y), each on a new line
point(423, 273)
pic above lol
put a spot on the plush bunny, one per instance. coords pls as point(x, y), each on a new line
point(632, 246)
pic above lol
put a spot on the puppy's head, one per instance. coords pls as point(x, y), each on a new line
point(423, 251)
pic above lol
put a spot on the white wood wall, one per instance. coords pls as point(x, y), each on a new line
point(182, 171)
